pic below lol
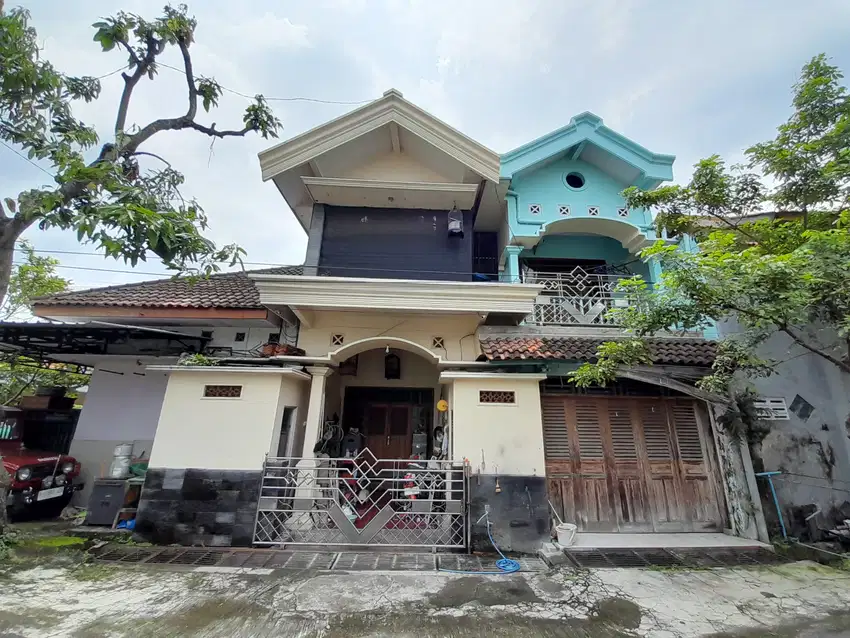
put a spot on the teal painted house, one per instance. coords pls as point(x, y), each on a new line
point(564, 201)
point(567, 225)
point(638, 454)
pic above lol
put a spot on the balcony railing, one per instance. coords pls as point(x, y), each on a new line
point(577, 297)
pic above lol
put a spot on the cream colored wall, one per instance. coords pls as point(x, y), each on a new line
point(396, 168)
point(458, 331)
point(509, 437)
point(224, 434)
point(291, 391)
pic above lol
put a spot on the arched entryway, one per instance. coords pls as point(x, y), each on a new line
point(386, 395)
point(375, 473)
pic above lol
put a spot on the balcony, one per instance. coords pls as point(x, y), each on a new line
point(578, 297)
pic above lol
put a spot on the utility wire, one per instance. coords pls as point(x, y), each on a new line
point(27, 159)
point(275, 99)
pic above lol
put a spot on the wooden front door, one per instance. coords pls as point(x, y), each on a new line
point(630, 464)
point(388, 429)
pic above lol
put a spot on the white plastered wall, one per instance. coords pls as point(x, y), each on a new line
point(503, 439)
point(220, 433)
point(458, 331)
point(122, 406)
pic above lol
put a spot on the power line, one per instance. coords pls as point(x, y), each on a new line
point(118, 70)
point(27, 159)
point(275, 99)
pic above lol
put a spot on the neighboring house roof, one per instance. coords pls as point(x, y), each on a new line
point(695, 352)
point(224, 290)
point(650, 169)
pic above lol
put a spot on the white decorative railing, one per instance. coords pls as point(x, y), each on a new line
point(575, 297)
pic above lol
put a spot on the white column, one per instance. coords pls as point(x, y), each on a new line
point(315, 409)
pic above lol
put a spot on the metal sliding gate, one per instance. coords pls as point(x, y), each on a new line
point(362, 501)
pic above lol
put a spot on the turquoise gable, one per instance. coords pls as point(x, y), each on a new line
point(543, 196)
point(651, 168)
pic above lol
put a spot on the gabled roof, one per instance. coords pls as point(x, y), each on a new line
point(390, 108)
point(584, 129)
point(225, 290)
point(694, 352)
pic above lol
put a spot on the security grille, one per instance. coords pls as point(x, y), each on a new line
point(772, 409)
point(222, 391)
point(362, 501)
point(496, 396)
point(580, 296)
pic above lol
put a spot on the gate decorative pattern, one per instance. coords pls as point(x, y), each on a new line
point(362, 501)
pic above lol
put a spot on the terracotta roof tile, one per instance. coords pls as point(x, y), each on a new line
point(224, 290)
point(698, 352)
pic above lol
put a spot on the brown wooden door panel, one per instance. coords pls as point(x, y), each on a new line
point(629, 464)
point(399, 432)
point(594, 501)
point(633, 510)
point(698, 494)
point(563, 500)
point(630, 496)
point(374, 428)
point(662, 472)
point(594, 505)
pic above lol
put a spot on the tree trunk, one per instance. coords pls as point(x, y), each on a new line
point(10, 230)
point(5, 482)
point(9, 233)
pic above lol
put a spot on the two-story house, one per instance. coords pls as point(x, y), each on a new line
point(640, 455)
point(445, 295)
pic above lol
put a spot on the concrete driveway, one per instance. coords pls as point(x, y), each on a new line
point(66, 598)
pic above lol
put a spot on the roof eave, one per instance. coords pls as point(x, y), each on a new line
point(392, 107)
point(587, 127)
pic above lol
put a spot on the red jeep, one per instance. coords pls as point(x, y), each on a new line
point(42, 483)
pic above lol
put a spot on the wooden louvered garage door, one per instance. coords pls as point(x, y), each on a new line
point(629, 464)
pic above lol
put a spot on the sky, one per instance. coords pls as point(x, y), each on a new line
point(687, 78)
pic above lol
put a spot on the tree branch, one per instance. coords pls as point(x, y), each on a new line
point(190, 79)
point(154, 48)
point(210, 130)
point(161, 159)
point(133, 57)
point(842, 365)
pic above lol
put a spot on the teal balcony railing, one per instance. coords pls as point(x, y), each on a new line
point(577, 297)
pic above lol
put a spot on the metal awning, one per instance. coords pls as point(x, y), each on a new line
point(45, 340)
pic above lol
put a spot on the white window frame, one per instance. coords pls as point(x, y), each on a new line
point(535, 209)
point(593, 211)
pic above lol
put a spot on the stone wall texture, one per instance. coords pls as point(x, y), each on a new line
point(199, 507)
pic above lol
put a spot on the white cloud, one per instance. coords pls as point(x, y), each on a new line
point(690, 79)
point(268, 30)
